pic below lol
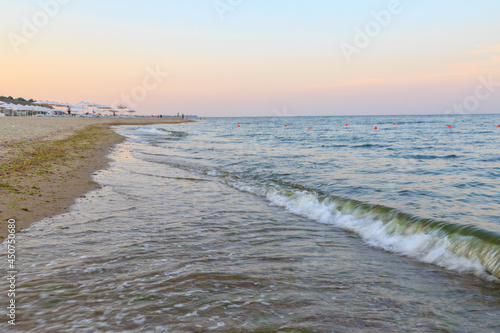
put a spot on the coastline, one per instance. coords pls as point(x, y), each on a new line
point(46, 163)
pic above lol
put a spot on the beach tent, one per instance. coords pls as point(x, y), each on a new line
point(61, 107)
point(22, 110)
point(78, 110)
point(41, 110)
point(11, 109)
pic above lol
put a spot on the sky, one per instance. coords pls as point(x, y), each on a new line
point(255, 57)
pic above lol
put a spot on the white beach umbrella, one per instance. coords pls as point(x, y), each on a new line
point(39, 109)
point(14, 109)
point(78, 109)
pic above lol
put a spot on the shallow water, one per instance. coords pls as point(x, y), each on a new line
point(208, 226)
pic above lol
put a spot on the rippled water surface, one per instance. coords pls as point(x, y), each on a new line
point(213, 227)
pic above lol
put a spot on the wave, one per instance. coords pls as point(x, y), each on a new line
point(162, 131)
point(431, 157)
point(462, 248)
point(368, 145)
point(173, 133)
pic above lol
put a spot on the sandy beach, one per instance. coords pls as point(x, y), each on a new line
point(46, 163)
point(22, 129)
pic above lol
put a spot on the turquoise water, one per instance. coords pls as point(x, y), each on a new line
point(316, 226)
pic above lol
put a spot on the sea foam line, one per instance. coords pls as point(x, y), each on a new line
point(426, 242)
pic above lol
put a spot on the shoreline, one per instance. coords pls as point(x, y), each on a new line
point(47, 163)
point(22, 129)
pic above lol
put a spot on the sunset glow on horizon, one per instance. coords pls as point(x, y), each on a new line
point(248, 58)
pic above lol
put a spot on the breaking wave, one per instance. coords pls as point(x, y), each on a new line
point(462, 248)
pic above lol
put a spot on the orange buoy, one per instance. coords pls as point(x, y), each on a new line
point(238, 125)
point(346, 124)
point(394, 123)
point(498, 125)
point(309, 127)
point(285, 125)
point(375, 127)
point(449, 125)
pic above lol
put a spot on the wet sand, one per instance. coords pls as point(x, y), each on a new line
point(29, 191)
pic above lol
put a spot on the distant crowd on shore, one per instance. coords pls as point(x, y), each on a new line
point(161, 116)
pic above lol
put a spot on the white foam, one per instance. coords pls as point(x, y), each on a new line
point(423, 247)
point(218, 325)
point(214, 172)
point(139, 319)
point(151, 130)
point(191, 314)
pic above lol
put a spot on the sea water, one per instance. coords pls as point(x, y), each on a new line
point(244, 224)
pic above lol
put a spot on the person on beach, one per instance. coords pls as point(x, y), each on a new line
point(69, 111)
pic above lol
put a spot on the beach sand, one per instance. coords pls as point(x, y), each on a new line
point(46, 163)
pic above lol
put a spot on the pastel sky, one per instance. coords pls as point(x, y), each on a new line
point(256, 57)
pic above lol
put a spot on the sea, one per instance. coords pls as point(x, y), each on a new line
point(276, 224)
